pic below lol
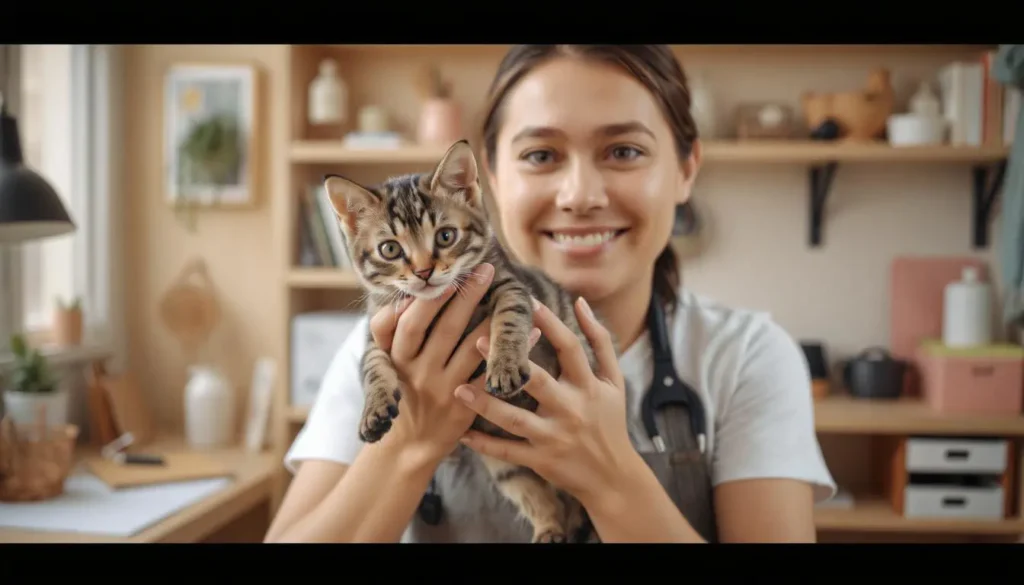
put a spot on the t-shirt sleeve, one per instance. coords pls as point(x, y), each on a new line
point(766, 428)
point(331, 431)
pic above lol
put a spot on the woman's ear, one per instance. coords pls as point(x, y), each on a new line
point(688, 172)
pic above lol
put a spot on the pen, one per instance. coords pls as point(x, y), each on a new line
point(137, 459)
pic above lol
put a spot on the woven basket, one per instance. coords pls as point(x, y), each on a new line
point(35, 462)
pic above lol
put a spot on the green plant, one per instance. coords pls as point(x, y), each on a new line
point(210, 155)
point(74, 305)
point(31, 373)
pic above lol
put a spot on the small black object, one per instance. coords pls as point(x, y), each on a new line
point(431, 508)
point(827, 130)
point(874, 373)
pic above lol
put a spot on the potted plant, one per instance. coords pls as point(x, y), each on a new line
point(67, 323)
point(211, 155)
point(30, 386)
point(440, 122)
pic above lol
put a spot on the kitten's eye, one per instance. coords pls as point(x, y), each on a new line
point(445, 237)
point(389, 250)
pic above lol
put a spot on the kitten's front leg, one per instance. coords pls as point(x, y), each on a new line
point(508, 363)
point(380, 383)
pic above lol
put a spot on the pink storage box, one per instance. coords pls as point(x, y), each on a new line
point(984, 380)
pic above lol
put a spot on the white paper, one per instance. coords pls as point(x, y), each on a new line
point(88, 505)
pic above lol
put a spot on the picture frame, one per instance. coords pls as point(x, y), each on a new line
point(211, 134)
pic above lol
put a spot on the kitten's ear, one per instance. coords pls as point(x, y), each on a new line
point(349, 199)
point(457, 174)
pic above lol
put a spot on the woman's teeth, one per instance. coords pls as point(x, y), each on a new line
point(585, 240)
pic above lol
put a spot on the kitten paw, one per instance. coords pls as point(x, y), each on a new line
point(550, 536)
point(506, 377)
point(381, 408)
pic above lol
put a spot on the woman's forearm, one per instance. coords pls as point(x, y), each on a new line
point(375, 499)
point(638, 510)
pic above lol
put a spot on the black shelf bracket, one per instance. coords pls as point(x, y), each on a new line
point(820, 177)
point(987, 183)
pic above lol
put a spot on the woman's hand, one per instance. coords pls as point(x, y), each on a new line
point(578, 438)
point(430, 367)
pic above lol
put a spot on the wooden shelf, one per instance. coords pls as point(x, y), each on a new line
point(334, 152)
point(297, 414)
point(811, 152)
point(322, 278)
point(875, 514)
point(782, 152)
point(845, 415)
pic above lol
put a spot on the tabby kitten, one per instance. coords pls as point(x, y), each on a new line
point(417, 234)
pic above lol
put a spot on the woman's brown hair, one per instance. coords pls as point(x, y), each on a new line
point(654, 66)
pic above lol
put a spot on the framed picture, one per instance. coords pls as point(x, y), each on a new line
point(210, 134)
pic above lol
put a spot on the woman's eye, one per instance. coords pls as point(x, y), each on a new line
point(539, 157)
point(444, 237)
point(625, 152)
point(389, 250)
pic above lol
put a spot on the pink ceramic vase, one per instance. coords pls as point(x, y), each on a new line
point(440, 123)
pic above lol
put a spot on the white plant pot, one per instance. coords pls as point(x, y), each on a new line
point(23, 408)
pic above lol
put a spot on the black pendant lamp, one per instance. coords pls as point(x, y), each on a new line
point(30, 208)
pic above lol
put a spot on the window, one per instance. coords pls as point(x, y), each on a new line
point(65, 100)
point(47, 267)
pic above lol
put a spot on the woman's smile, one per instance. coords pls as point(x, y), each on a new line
point(583, 241)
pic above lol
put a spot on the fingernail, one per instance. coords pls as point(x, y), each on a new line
point(534, 336)
point(536, 303)
point(485, 270)
point(466, 440)
point(586, 307)
point(464, 394)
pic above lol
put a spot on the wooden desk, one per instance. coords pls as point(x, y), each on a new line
point(245, 502)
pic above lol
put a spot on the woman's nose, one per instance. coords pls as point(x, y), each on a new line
point(582, 189)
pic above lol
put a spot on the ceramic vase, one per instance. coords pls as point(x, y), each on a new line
point(440, 123)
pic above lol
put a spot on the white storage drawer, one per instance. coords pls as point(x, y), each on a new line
point(939, 455)
point(965, 503)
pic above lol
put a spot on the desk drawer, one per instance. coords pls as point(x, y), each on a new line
point(939, 455)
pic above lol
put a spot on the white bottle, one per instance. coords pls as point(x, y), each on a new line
point(328, 96)
point(209, 409)
point(702, 104)
point(967, 311)
point(925, 103)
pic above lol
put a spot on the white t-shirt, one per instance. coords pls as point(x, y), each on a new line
point(749, 372)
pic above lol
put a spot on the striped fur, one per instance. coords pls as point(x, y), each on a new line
point(436, 224)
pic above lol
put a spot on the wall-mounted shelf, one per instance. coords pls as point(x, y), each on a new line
point(782, 152)
point(322, 278)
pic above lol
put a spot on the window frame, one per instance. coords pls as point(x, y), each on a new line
point(97, 276)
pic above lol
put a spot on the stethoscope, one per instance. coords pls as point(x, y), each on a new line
point(667, 389)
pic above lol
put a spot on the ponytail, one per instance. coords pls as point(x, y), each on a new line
point(666, 276)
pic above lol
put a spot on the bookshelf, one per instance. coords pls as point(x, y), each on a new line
point(380, 74)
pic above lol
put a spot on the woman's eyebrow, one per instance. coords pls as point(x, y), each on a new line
point(606, 130)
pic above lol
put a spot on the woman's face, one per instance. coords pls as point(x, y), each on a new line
point(586, 176)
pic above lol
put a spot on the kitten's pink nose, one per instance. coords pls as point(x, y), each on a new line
point(424, 273)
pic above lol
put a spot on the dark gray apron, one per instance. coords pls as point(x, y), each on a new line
point(474, 510)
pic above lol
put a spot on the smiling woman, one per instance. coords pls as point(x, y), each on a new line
point(587, 151)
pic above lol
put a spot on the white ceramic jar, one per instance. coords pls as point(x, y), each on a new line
point(209, 409)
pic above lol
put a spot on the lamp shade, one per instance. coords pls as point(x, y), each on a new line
point(30, 208)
